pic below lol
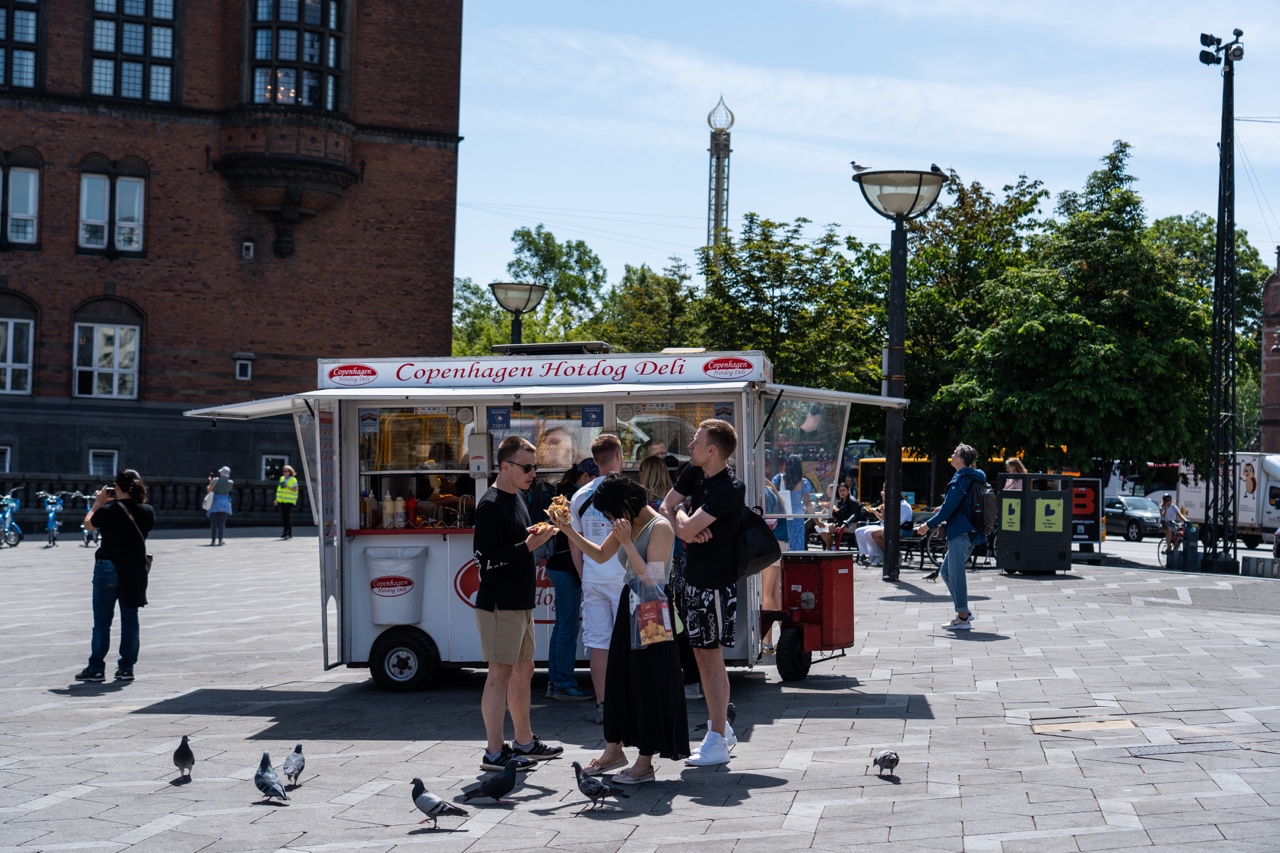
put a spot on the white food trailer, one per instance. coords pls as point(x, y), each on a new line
point(399, 598)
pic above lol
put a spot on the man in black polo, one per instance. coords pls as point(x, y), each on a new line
point(710, 529)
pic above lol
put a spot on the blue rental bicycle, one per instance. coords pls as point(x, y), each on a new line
point(52, 508)
point(91, 537)
point(10, 532)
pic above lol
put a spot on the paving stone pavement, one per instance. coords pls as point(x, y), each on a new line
point(1016, 737)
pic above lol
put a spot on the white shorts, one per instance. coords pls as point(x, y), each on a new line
point(599, 607)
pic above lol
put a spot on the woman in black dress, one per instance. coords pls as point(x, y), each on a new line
point(644, 688)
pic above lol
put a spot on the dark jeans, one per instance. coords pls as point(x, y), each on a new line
point(285, 510)
point(217, 526)
point(562, 652)
point(106, 590)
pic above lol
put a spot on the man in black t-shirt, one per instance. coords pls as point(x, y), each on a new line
point(504, 606)
point(710, 531)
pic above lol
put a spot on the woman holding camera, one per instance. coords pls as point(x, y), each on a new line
point(123, 516)
point(220, 509)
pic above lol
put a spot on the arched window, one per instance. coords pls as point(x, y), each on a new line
point(108, 343)
point(112, 200)
point(20, 198)
point(295, 52)
point(17, 336)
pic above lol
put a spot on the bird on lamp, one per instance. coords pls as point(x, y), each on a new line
point(858, 168)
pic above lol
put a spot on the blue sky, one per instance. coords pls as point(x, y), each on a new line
point(590, 117)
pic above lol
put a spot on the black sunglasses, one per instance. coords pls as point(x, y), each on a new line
point(528, 469)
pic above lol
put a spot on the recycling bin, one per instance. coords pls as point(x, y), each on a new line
point(1035, 523)
point(1189, 556)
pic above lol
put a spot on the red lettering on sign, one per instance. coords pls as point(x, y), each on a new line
point(1084, 501)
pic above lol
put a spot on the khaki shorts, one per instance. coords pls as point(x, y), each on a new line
point(506, 636)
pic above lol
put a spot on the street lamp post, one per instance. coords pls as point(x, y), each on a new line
point(900, 196)
point(518, 298)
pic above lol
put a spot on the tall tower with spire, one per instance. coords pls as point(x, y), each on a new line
point(720, 119)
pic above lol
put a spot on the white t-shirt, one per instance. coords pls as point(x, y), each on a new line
point(1169, 513)
point(595, 528)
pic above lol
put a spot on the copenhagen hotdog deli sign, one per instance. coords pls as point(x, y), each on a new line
point(517, 372)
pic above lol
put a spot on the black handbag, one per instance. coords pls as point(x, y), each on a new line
point(140, 536)
point(757, 547)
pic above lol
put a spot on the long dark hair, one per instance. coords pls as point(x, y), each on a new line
point(620, 497)
point(129, 482)
point(795, 471)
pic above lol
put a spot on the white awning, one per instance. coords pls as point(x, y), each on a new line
point(267, 408)
point(549, 393)
point(794, 391)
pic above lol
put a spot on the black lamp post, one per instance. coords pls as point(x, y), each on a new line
point(518, 298)
point(1220, 492)
point(900, 196)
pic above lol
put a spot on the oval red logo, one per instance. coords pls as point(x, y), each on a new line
point(352, 374)
point(389, 586)
point(728, 367)
point(466, 583)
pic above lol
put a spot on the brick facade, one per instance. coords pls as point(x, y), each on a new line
point(350, 214)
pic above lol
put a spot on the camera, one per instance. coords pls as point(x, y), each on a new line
point(110, 492)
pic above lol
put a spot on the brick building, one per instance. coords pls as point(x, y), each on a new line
point(198, 198)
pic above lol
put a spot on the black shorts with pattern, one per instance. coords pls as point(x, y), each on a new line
point(711, 615)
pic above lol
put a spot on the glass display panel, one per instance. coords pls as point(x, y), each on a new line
point(802, 445)
point(425, 438)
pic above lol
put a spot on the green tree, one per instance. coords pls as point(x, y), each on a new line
point(573, 275)
point(816, 313)
point(478, 321)
point(648, 311)
point(1096, 349)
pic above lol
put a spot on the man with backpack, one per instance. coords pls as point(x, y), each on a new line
point(964, 510)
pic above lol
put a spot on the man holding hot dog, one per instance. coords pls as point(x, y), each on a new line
point(504, 546)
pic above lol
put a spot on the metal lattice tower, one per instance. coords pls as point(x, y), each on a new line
point(720, 119)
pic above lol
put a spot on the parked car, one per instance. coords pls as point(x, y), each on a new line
point(1132, 517)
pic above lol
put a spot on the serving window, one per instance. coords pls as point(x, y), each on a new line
point(409, 440)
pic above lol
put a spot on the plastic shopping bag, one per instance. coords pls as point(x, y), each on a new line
point(650, 615)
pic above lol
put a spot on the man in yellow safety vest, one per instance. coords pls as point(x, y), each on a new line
point(287, 498)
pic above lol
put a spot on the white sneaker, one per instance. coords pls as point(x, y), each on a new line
point(730, 739)
point(711, 752)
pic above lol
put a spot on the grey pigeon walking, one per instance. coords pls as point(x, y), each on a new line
point(267, 780)
point(184, 759)
point(495, 787)
point(594, 789)
point(293, 765)
point(886, 760)
point(432, 806)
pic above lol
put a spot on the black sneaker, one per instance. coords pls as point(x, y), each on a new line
point(504, 756)
point(539, 751)
point(87, 674)
point(124, 673)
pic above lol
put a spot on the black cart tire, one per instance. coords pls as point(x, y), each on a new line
point(403, 659)
point(1251, 541)
point(793, 660)
point(1133, 532)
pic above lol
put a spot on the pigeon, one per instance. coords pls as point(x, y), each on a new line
point(183, 758)
point(293, 764)
point(495, 787)
point(432, 806)
point(886, 760)
point(595, 790)
point(856, 167)
point(933, 167)
point(267, 780)
point(731, 713)
point(932, 576)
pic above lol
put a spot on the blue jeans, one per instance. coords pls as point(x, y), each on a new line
point(562, 652)
point(958, 550)
point(106, 590)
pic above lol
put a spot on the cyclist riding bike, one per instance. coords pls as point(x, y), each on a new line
point(1170, 516)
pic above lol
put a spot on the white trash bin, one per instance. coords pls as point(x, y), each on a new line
point(396, 577)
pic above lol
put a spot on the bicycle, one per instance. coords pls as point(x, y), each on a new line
point(10, 532)
point(1165, 552)
point(91, 537)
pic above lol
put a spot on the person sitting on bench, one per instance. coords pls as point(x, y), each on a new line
point(871, 537)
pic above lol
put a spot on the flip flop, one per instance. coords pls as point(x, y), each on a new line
point(595, 768)
point(626, 778)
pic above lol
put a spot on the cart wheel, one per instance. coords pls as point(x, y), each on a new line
point(793, 660)
point(403, 659)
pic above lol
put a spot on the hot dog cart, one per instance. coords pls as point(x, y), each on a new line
point(396, 452)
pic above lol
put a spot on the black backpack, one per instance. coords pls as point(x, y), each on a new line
point(981, 507)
